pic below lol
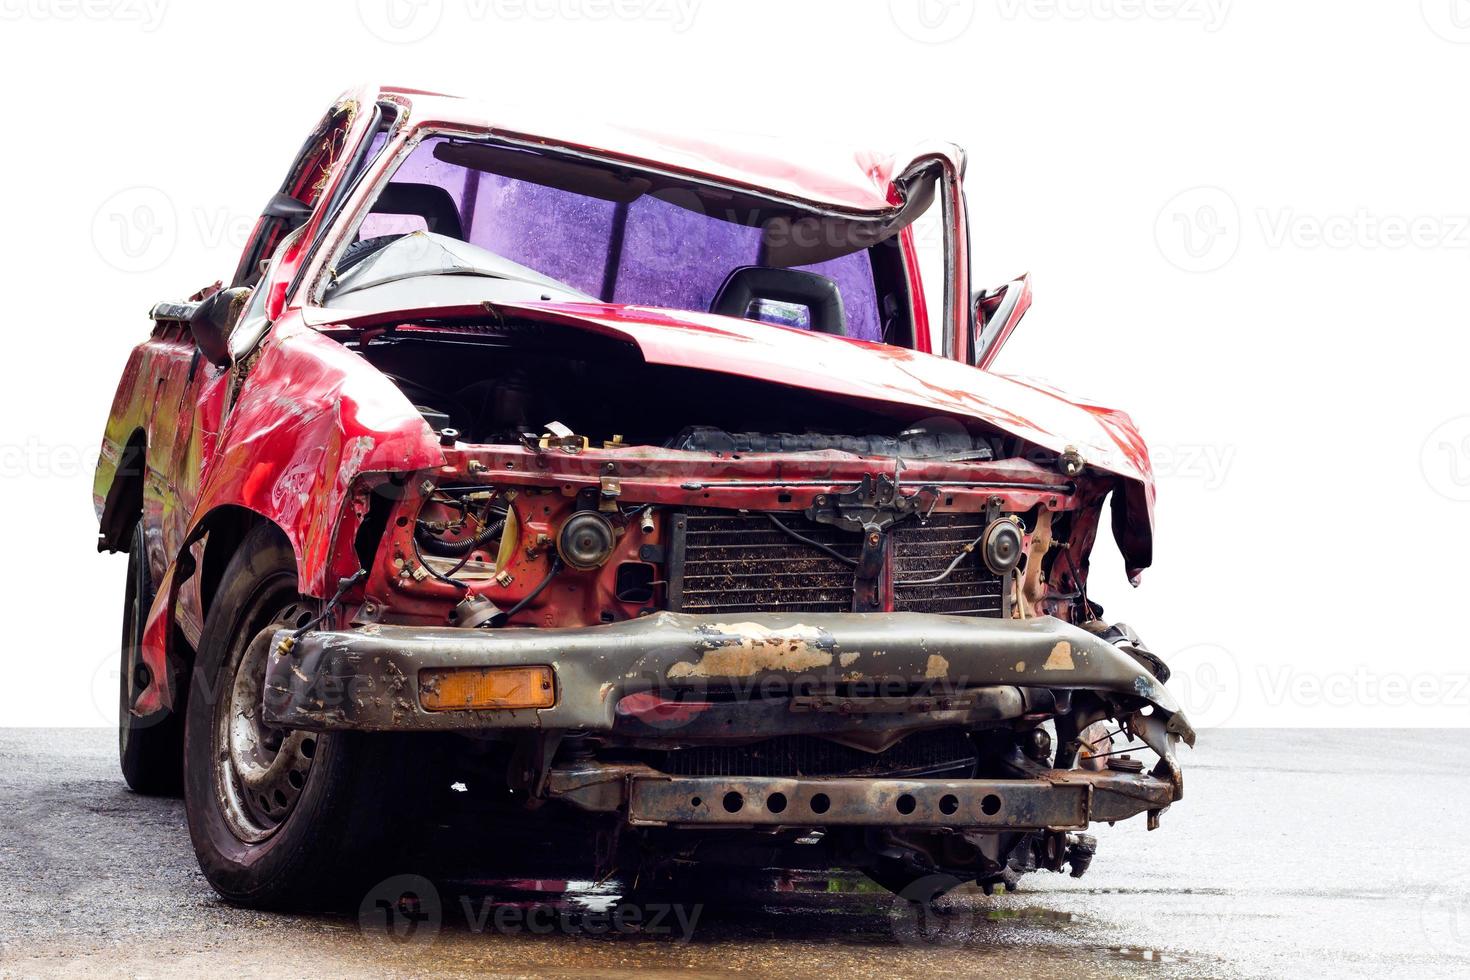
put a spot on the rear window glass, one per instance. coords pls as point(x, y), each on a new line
point(645, 252)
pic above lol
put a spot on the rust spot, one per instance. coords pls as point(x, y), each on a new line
point(1060, 657)
point(936, 667)
point(745, 649)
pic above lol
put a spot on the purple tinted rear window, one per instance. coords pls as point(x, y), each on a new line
point(667, 256)
point(677, 258)
point(563, 235)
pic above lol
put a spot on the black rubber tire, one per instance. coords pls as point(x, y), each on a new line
point(150, 750)
point(320, 855)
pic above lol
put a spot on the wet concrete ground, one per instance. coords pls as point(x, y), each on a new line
point(1321, 854)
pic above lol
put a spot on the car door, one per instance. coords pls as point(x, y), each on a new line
point(197, 398)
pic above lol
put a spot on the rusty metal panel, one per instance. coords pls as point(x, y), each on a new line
point(1000, 804)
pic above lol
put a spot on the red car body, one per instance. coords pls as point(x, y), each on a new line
point(298, 430)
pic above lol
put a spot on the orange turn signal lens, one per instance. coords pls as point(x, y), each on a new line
point(461, 688)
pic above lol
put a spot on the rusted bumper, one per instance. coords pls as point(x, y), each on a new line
point(716, 676)
point(1068, 800)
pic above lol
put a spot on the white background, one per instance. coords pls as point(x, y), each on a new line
point(1248, 224)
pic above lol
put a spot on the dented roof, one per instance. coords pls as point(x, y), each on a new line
point(811, 171)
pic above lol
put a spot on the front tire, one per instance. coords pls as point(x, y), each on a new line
point(277, 817)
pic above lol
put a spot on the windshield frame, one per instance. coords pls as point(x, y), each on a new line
point(406, 140)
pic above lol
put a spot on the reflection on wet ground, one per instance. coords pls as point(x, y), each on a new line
point(834, 921)
point(1319, 854)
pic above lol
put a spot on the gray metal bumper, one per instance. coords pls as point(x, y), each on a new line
point(1068, 800)
point(758, 672)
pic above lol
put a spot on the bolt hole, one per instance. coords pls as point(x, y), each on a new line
point(403, 522)
point(733, 802)
point(906, 804)
point(776, 802)
point(990, 806)
point(279, 797)
point(948, 804)
point(303, 619)
point(820, 803)
point(308, 748)
point(696, 802)
point(265, 804)
point(295, 778)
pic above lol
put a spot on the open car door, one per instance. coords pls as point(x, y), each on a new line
point(995, 314)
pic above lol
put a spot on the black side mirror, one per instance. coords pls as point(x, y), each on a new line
point(212, 321)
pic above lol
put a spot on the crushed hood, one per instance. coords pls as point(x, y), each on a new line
point(1107, 439)
point(1028, 410)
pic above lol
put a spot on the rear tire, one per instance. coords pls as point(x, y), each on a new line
point(279, 818)
point(151, 749)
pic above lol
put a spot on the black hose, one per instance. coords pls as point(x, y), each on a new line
point(453, 549)
point(430, 569)
point(541, 587)
point(808, 541)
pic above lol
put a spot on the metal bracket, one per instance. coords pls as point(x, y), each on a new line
point(876, 504)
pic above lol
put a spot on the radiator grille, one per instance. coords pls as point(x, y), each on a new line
point(924, 550)
point(946, 751)
point(733, 562)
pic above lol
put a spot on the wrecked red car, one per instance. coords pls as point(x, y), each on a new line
point(654, 492)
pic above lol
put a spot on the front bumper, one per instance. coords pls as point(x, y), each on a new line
point(861, 678)
point(712, 677)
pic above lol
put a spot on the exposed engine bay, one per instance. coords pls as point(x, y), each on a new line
point(499, 382)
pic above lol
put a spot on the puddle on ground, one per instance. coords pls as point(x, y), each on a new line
point(837, 907)
point(1143, 955)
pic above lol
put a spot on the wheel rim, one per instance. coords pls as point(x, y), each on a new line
point(260, 771)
